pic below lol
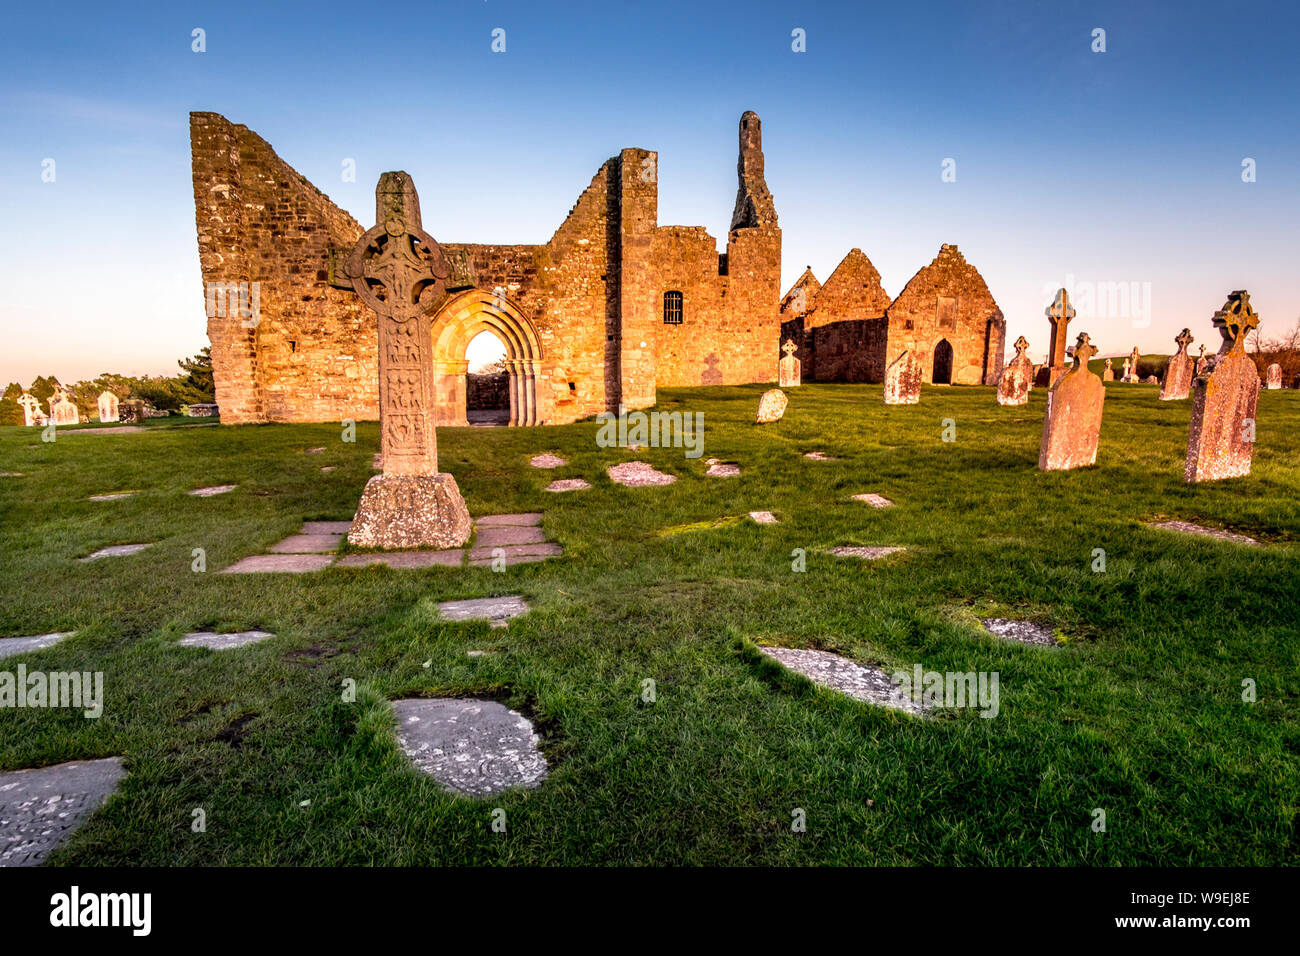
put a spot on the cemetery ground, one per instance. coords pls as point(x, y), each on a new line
point(1139, 712)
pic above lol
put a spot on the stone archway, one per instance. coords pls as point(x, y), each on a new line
point(460, 319)
point(942, 367)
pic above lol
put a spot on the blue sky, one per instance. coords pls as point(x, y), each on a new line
point(1122, 166)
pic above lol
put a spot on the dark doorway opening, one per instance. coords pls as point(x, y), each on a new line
point(942, 364)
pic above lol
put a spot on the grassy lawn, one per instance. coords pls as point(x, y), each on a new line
point(1140, 713)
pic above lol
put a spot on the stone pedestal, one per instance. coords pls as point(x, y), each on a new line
point(411, 511)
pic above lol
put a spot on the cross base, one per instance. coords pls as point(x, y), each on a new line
point(411, 511)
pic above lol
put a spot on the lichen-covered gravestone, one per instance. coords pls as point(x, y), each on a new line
point(399, 271)
point(1059, 314)
point(1131, 366)
point(1072, 424)
point(1274, 376)
point(1017, 377)
point(1109, 374)
point(107, 407)
point(1179, 370)
point(789, 368)
point(1221, 440)
point(903, 380)
point(771, 406)
point(63, 410)
point(32, 414)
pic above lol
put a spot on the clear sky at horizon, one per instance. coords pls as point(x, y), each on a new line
point(1122, 166)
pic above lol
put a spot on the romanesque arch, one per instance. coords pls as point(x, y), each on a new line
point(942, 365)
point(461, 318)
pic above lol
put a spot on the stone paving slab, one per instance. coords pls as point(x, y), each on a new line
point(723, 469)
point(508, 534)
point(547, 461)
point(568, 484)
point(876, 501)
point(866, 553)
point(39, 808)
point(307, 544)
point(112, 496)
point(474, 748)
point(638, 474)
point(117, 430)
point(115, 551)
point(1022, 632)
point(212, 490)
point(287, 563)
point(762, 517)
point(516, 553)
point(818, 456)
point(497, 610)
point(326, 527)
point(498, 521)
point(869, 684)
point(404, 559)
point(1186, 527)
point(223, 642)
point(9, 646)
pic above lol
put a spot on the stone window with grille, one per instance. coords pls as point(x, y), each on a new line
point(672, 308)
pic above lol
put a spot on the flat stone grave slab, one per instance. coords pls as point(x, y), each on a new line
point(452, 558)
point(869, 684)
point(1186, 527)
point(515, 553)
point(527, 518)
point(499, 535)
point(212, 490)
point(307, 544)
point(39, 808)
point(547, 461)
point(723, 470)
point(474, 748)
point(326, 527)
point(876, 501)
point(313, 451)
point(286, 563)
point(865, 553)
point(762, 517)
point(223, 642)
point(9, 646)
point(568, 484)
point(818, 456)
point(117, 430)
point(1022, 632)
point(11, 474)
point(111, 496)
point(115, 551)
point(496, 610)
point(638, 474)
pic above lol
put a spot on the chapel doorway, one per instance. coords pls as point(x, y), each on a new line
point(487, 381)
point(942, 368)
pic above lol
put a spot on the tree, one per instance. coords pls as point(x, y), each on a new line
point(11, 413)
point(198, 376)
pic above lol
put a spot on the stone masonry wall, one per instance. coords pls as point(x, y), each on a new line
point(847, 324)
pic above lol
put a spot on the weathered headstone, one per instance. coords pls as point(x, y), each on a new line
point(1072, 424)
point(1179, 370)
point(1059, 314)
point(1221, 439)
point(399, 271)
point(1274, 376)
point(1131, 366)
point(789, 367)
point(132, 412)
point(771, 406)
point(63, 410)
point(1200, 363)
point(1109, 374)
point(1017, 377)
point(107, 407)
point(903, 380)
point(32, 414)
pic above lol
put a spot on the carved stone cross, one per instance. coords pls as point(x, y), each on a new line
point(398, 270)
point(789, 348)
point(1083, 350)
point(1184, 339)
point(1059, 313)
point(1020, 345)
point(30, 405)
point(1235, 320)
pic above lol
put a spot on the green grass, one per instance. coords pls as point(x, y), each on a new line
point(1140, 714)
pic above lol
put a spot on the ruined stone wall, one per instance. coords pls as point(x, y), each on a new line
point(949, 300)
point(846, 324)
point(685, 260)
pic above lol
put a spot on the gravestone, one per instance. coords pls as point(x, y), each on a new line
point(638, 474)
point(789, 368)
point(1059, 314)
point(132, 412)
point(1131, 366)
point(903, 380)
point(1109, 374)
point(1179, 370)
point(1072, 424)
point(107, 407)
point(63, 410)
point(1017, 377)
point(40, 808)
point(771, 406)
point(32, 414)
point(473, 748)
point(568, 484)
point(1274, 376)
point(399, 271)
point(1221, 439)
point(869, 684)
point(1200, 363)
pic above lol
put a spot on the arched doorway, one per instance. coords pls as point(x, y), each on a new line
point(462, 321)
point(487, 383)
point(942, 367)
